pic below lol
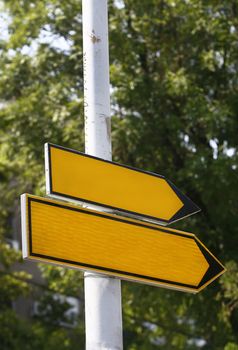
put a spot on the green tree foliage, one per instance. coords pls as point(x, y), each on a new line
point(174, 103)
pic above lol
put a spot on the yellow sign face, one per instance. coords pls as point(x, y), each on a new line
point(75, 176)
point(71, 236)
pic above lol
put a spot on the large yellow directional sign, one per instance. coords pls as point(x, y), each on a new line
point(76, 176)
point(75, 237)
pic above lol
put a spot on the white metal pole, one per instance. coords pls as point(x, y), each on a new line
point(103, 312)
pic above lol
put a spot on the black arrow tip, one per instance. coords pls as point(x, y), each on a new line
point(188, 208)
point(214, 270)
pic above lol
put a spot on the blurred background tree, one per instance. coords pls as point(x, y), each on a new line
point(174, 80)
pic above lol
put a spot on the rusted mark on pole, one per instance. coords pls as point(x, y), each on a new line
point(95, 39)
point(108, 122)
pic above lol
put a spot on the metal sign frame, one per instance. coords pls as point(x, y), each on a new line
point(215, 267)
point(188, 208)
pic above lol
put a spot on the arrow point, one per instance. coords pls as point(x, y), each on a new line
point(188, 208)
point(215, 268)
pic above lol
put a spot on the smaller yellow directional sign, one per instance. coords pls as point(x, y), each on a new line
point(71, 236)
point(143, 195)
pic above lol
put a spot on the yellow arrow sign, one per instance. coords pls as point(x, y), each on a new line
point(72, 236)
point(76, 176)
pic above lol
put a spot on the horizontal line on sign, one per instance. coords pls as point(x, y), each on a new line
point(106, 161)
point(113, 271)
point(134, 215)
point(106, 216)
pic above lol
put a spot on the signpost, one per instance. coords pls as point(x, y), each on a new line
point(71, 236)
point(103, 311)
point(136, 193)
point(110, 247)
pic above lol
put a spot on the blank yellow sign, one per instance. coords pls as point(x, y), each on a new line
point(89, 240)
point(75, 176)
